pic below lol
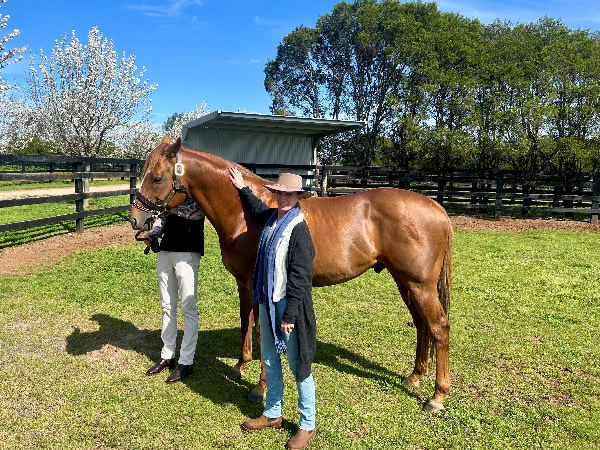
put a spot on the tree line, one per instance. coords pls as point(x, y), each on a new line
point(440, 90)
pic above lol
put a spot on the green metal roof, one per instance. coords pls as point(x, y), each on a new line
point(265, 123)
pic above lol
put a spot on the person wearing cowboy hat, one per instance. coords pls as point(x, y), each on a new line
point(282, 286)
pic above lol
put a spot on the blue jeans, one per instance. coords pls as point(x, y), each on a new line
point(274, 373)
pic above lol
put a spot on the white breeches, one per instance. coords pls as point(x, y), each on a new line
point(178, 274)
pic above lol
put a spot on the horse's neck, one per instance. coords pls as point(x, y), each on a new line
point(213, 191)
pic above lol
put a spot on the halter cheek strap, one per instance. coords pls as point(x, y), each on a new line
point(161, 205)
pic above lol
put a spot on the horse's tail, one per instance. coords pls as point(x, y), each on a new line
point(444, 284)
point(445, 278)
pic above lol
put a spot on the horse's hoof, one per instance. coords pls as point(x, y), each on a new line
point(257, 395)
point(235, 373)
point(411, 384)
point(433, 407)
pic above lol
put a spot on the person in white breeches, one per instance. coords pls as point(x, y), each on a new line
point(177, 265)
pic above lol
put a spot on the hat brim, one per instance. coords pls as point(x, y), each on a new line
point(279, 188)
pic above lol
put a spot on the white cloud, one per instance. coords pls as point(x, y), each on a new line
point(269, 23)
point(172, 8)
point(573, 14)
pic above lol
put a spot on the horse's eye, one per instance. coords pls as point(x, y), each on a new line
point(156, 179)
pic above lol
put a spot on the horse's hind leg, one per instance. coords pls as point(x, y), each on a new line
point(439, 330)
point(421, 358)
point(422, 340)
point(432, 323)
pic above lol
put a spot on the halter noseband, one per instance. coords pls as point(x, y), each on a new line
point(160, 205)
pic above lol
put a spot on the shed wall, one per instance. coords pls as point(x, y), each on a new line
point(252, 147)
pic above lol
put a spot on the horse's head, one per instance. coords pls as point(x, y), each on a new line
point(161, 187)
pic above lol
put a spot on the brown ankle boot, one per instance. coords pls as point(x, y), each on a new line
point(261, 423)
point(301, 439)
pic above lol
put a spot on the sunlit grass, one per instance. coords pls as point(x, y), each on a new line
point(524, 355)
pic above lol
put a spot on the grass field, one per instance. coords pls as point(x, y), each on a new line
point(524, 355)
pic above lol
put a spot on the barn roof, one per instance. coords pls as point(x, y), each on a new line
point(265, 123)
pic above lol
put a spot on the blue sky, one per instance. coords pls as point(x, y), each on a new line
point(216, 50)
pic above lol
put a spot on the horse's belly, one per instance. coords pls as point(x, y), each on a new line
point(334, 269)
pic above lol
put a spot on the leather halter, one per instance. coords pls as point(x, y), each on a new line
point(161, 205)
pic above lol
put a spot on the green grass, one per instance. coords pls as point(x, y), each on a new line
point(524, 355)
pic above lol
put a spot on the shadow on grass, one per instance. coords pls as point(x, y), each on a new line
point(208, 378)
point(20, 237)
point(348, 362)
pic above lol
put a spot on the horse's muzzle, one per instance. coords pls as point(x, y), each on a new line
point(134, 224)
point(137, 225)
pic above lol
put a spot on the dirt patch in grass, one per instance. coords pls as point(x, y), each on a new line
point(517, 225)
point(24, 259)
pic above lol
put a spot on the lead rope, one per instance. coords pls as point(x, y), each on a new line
point(154, 247)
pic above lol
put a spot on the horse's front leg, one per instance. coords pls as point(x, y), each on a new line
point(248, 316)
point(258, 394)
point(246, 320)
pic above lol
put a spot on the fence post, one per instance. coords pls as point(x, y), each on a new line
point(132, 180)
point(441, 184)
point(404, 181)
point(78, 167)
point(499, 191)
point(473, 200)
point(324, 180)
point(364, 179)
point(595, 197)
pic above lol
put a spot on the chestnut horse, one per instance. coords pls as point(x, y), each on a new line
point(407, 233)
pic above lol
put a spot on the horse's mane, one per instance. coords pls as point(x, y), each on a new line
point(153, 157)
point(223, 164)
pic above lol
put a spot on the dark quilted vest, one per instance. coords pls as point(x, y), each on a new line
point(182, 235)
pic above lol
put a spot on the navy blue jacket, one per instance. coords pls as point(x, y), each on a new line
point(299, 308)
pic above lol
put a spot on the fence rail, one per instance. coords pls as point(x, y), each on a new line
point(493, 192)
point(50, 168)
point(484, 192)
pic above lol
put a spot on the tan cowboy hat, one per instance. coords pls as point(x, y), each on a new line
point(288, 182)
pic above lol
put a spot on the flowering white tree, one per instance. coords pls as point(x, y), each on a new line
point(139, 140)
point(15, 118)
point(142, 137)
point(84, 98)
point(174, 125)
point(8, 56)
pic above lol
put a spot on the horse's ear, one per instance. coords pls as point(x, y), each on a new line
point(171, 150)
point(166, 139)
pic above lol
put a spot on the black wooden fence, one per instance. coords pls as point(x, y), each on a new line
point(493, 193)
point(464, 190)
point(47, 168)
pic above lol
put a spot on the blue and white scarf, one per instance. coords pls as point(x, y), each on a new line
point(263, 280)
